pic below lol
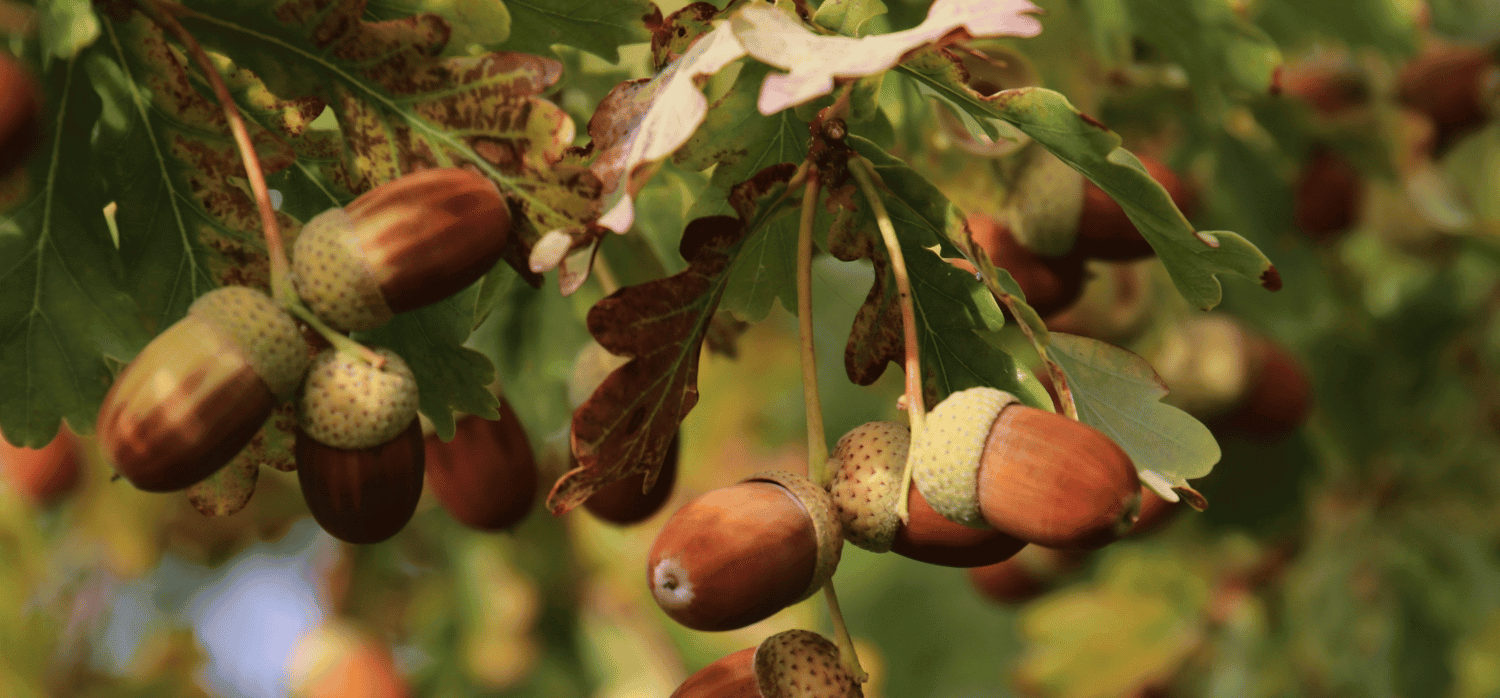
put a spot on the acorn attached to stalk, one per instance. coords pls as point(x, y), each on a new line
point(198, 392)
point(739, 554)
point(985, 460)
point(627, 501)
point(867, 469)
point(486, 476)
point(405, 244)
point(789, 664)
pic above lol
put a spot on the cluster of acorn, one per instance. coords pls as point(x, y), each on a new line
point(199, 392)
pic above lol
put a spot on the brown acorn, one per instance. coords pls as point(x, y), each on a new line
point(1327, 196)
point(405, 244)
point(1331, 87)
point(1050, 283)
point(336, 660)
point(985, 460)
point(485, 477)
point(365, 495)
point(1279, 398)
point(868, 463)
point(1105, 232)
point(730, 676)
point(626, 501)
point(192, 399)
point(1455, 86)
point(1032, 572)
point(1155, 512)
point(739, 554)
point(20, 114)
point(43, 475)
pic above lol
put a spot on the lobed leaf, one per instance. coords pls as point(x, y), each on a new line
point(1193, 258)
point(1118, 393)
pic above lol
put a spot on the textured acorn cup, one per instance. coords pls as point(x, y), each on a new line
point(365, 495)
point(739, 554)
point(19, 115)
point(485, 477)
point(400, 246)
point(868, 463)
point(984, 459)
point(627, 501)
point(201, 389)
point(350, 404)
point(802, 664)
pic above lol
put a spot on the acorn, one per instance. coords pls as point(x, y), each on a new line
point(790, 664)
point(1331, 86)
point(1032, 572)
point(1232, 379)
point(1327, 196)
point(739, 554)
point(363, 495)
point(198, 392)
point(486, 476)
point(1116, 306)
point(1155, 512)
point(1049, 283)
point(1456, 86)
point(20, 115)
point(335, 660)
point(351, 404)
point(868, 462)
point(626, 501)
point(405, 244)
point(985, 460)
point(43, 475)
point(1279, 398)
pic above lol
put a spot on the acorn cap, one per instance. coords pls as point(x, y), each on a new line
point(268, 336)
point(1205, 363)
point(333, 279)
point(867, 464)
point(802, 664)
point(1045, 203)
point(825, 520)
point(947, 452)
point(349, 404)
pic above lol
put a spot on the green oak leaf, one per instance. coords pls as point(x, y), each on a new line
point(1118, 393)
point(450, 376)
point(596, 26)
point(478, 25)
point(66, 27)
point(1224, 55)
point(68, 319)
point(848, 17)
point(1193, 258)
point(1379, 24)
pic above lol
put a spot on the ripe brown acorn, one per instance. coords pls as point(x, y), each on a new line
point(20, 114)
point(1050, 283)
point(1327, 196)
point(365, 495)
point(730, 676)
point(790, 664)
point(485, 477)
point(42, 475)
point(1279, 398)
point(1155, 512)
point(405, 244)
point(1455, 86)
point(1105, 232)
point(985, 460)
point(739, 554)
point(625, 502)
point(868, 462)
point(201, 389)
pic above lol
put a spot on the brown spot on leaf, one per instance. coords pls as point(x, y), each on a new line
point(1271, 278)
point(1092, 121)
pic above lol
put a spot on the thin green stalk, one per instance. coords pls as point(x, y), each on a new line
point(916, 410)
point(817, 443)
point(847, 655)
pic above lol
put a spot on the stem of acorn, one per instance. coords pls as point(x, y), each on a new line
point(340, 341)
point(281, 286)
point(847, 655)
point(916, 411)
point(817, 443)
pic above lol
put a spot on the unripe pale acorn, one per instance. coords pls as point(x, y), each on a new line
point(350, 404)
point(402, 245)
point(201, 389)
point(739, 554)
point(363, 495)
point(485, 477)
point(626, 501)
point(868, 462)
point(984, 459)
point(42, 475)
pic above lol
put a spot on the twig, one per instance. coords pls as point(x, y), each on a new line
point(847, 655)
point(340, 341)
point(916, 410)
point(817, 443)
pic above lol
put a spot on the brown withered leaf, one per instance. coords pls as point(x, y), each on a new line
point(627, 424)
